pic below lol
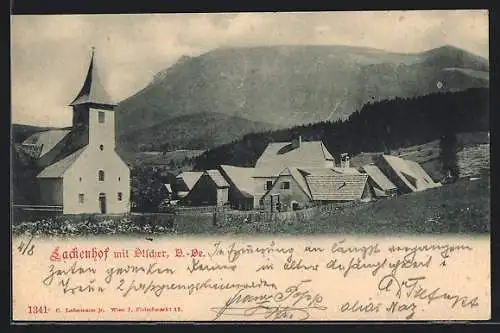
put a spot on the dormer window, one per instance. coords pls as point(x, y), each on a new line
point(101, 175)
point(101, 115)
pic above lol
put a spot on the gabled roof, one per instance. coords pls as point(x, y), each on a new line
point(217, 178)
point(92, 91)
point(46, 140)
point(58, 169)
point(190, 178)
point(424, 180)
point(279, 155)
point(378, 177)
point(298, 175)
point(241, 178)
point(341, 187)
point(411, 173)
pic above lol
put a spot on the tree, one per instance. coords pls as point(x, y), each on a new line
point(448, 155)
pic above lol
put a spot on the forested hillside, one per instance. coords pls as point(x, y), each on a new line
point(378, 126)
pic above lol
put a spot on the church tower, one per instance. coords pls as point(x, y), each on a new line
point(86, 174)
point(93, 111)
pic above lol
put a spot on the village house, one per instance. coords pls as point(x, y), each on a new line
point(185, 182)
point(280, 155)
point(211, 189)
point(295, 175)
point(80, 169)
point(298, 188)
point(408, 176)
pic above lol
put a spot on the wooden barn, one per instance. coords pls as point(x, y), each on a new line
point(210, 190)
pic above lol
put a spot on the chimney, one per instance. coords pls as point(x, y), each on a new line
point(296, 142)
point(344, 160)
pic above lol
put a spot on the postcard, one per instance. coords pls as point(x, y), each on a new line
point(298, 166)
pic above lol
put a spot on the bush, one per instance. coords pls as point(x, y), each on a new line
point(85, 225)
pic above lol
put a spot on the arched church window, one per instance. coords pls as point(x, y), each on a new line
point(101, 175)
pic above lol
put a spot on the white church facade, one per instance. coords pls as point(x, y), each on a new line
point(81, 170)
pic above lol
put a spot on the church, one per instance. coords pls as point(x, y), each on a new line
point(80, 169)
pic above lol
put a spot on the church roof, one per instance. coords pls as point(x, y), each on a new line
point(92, 91)
point(46, 140)
point(58, 169)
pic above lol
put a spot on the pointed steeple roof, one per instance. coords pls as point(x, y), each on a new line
point(92, 91)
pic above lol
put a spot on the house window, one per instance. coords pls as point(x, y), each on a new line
point(120, 196)
point(285, 185)
point(101, 147)
point(81, 198)
point(269, 184)
point(101, 175)
point(100, 117)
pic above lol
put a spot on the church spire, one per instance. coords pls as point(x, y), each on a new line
point(92, 91)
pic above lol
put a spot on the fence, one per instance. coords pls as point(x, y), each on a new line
point(200, 210)
point(21, 213)
point(220, 216)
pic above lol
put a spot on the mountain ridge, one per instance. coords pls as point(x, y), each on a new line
point(290, 85)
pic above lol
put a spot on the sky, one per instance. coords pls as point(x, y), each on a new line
point(50, 54)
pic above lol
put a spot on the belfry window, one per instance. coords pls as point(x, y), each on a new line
point(101, 175)
point(101, 147)
point(100, 117)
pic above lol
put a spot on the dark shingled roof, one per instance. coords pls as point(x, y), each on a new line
point(341, 187)
point(92, 91)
